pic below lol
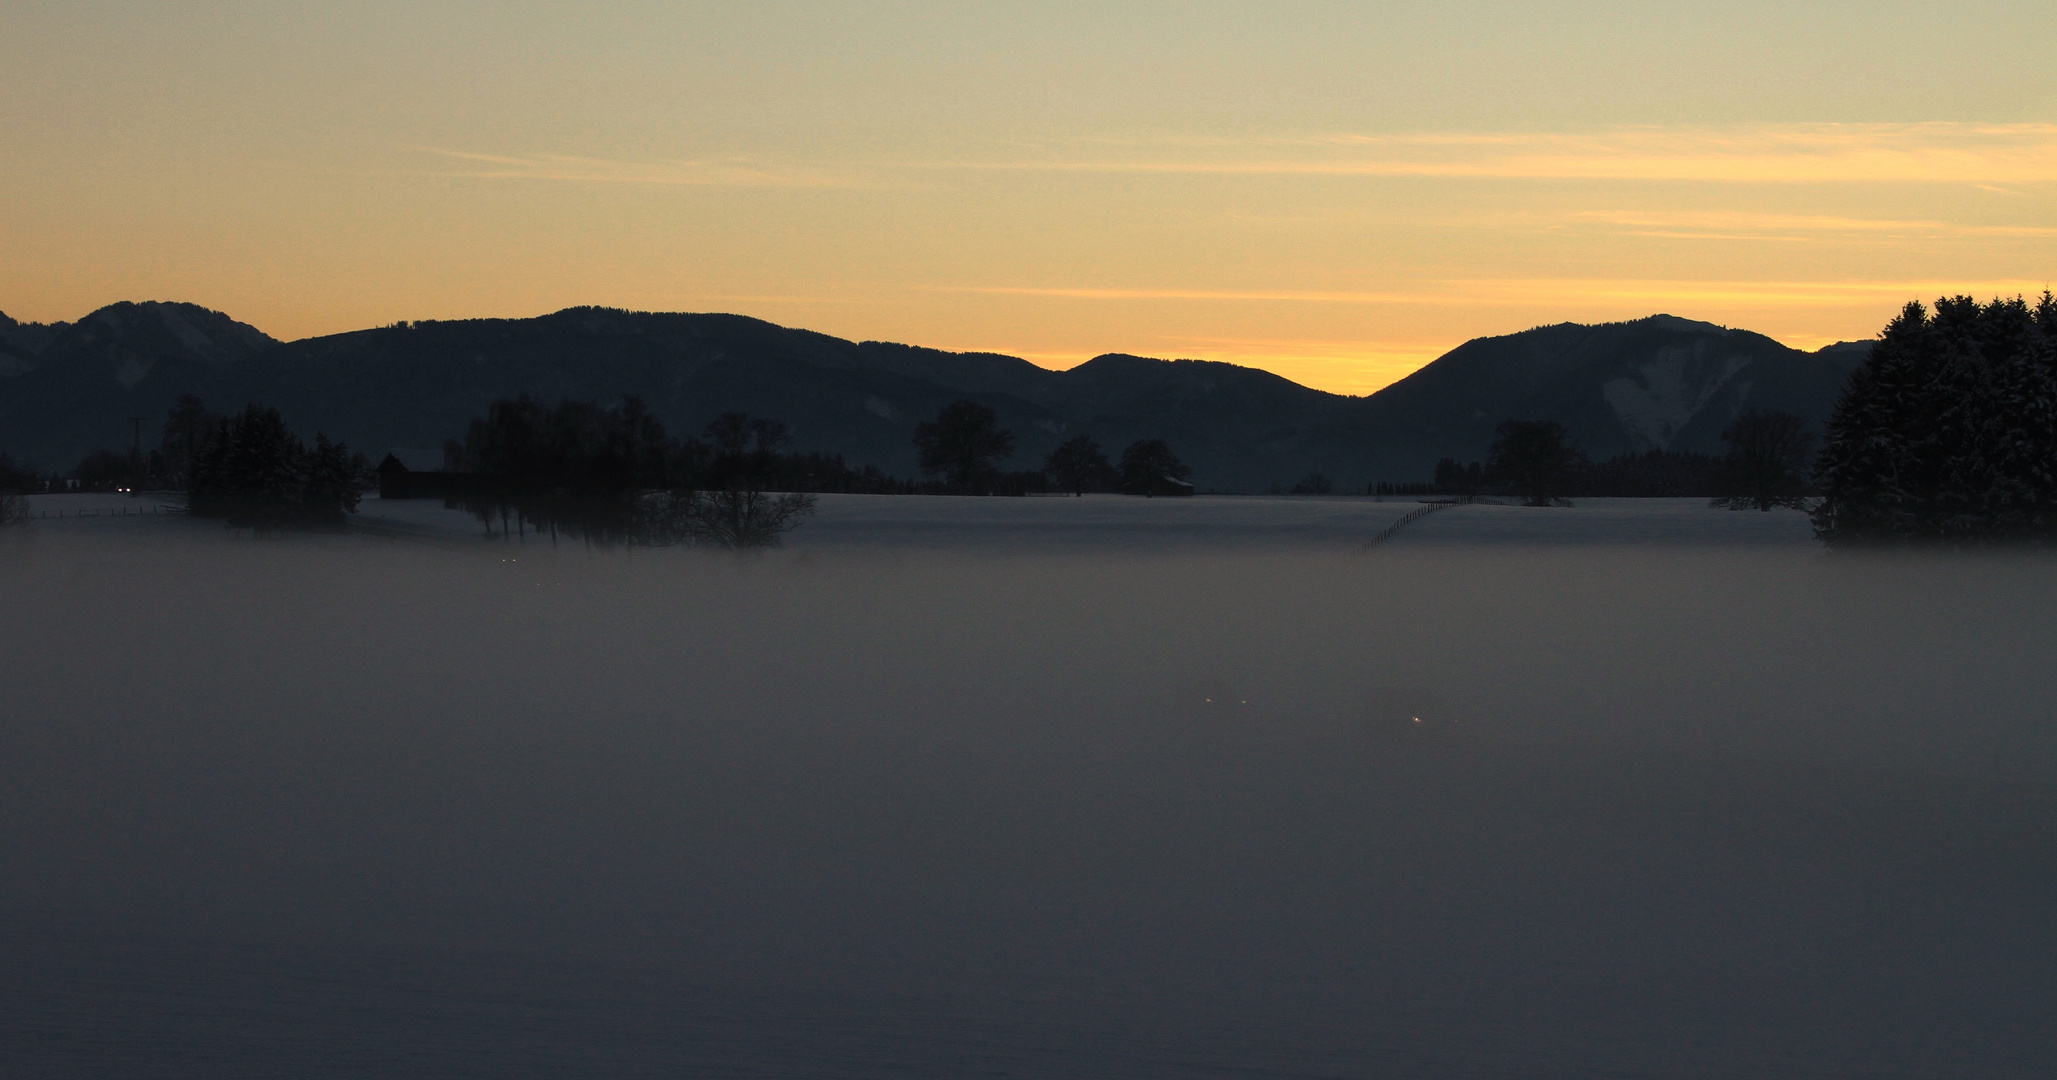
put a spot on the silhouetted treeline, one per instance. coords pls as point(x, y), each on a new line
point(1389, 487)
point(826, 474)
point(16, 479)
point(167, 467)
point(1653, 474)
point(1537, 462)
point(15, 486)
point(613, 475)
point(963, 446)
point(254, 472)
point(1312, 484)
point(1948, 433)
point(576, 468)
point(1148, 468)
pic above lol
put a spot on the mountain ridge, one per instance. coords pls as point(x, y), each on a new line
point(1661, 382)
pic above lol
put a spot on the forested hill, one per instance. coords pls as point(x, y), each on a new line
point(1660, 382)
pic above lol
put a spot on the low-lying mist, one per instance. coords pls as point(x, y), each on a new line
point(1498, 811)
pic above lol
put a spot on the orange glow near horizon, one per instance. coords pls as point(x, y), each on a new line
point(1336, 196)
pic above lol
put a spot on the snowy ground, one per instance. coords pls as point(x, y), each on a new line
point(1111, 523)
point(1027, 787)
point(1116, 523)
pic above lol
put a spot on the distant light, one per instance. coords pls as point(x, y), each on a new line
point(1417, 719)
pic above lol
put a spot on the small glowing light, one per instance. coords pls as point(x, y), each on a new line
point(1417, 719)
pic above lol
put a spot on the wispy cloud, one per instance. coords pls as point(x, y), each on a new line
point(1524, 292)
point(1751, 295)
point(1987, 154)
point(714, 172)
point(1287, 295)
point(1982, 155)
point(1717, 224)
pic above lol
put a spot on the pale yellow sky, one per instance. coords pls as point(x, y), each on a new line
point(1336, 192)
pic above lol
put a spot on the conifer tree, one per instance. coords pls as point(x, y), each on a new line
point(332, 489)
point(253, 472)
point(1948, 433)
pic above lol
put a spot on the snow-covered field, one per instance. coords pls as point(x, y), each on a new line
point(1027, 787)
point(1115, 523)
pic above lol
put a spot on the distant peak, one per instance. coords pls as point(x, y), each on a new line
point(166, 327)
point(1131, 358)
point(1674, 322)
point(1845, 350)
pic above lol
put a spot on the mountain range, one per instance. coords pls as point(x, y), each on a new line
point(1661, 382)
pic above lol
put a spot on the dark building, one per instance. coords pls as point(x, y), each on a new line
point(419, 474)
point(1161, 485)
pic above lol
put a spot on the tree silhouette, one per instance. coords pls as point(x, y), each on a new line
point(611, 475)
point(744, 449)
point(15, 484)
point(1767, 463)
point(737, 518)
point(962, 444)
point(253, 472)
point(1948, 433)
point(737, 512)
point(1454, 477)
point(1147, 463)
point(105, 470)
point(1078, 464)
point(185, 429)
point(1312, 484)
point(575, 468)
point(334, 483)
point(1534, 459)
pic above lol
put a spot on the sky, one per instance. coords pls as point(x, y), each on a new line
point(1337, 192)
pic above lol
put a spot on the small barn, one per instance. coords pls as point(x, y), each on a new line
point(1160, 485)
point(409, 473)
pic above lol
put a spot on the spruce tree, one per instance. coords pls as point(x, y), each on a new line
point(1948, 433)
point(331, 491)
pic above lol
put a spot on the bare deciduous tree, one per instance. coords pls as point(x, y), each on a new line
point(962, 444)
point(1535, 459)
point(1078, 465)
point(1149, 464)
point(1768, 458)
point(739, 519)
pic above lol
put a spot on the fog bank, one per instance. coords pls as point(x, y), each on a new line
point(1527, 811)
